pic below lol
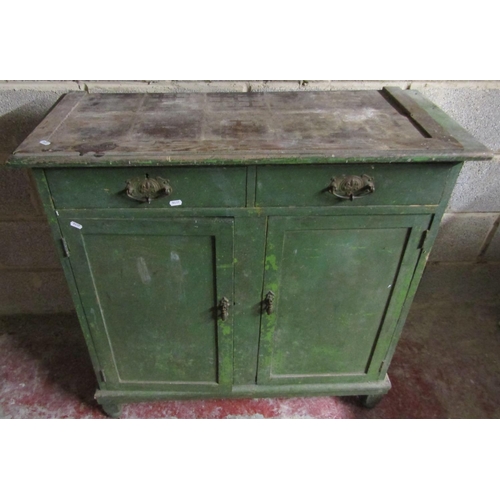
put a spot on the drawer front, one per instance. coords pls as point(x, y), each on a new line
point(398, 184)
point(106, 187)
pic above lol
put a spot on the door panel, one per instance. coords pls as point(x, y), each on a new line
point(338, 283)
point(151, 291)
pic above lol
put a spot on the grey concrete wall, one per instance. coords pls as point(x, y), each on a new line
point(468, 230)
point(31, 279)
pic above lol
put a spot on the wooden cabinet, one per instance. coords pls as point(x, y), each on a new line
point(244, 245)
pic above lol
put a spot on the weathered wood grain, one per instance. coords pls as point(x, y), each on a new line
point(291, 127)
point(421, 118)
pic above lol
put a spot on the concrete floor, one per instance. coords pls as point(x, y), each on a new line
point(447, 364)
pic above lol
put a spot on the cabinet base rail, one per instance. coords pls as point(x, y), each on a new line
point(372, 392)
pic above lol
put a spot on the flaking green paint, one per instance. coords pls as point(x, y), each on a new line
point(225, 329)
point(271, 262)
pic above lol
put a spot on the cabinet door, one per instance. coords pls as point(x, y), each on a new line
point(151, 291)
point(339, 284)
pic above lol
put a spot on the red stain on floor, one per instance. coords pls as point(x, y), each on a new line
point(438, 371)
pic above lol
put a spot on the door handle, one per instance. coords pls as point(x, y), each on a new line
point(147, 188)
point(269, 302)
point(224, 308)
point(352, 186)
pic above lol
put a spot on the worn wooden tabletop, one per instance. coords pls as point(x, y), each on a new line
point(281, 127)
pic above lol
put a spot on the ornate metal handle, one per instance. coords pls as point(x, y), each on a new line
point(269, 302)
point(147, 188)
point(351, 186)
point(224, 308)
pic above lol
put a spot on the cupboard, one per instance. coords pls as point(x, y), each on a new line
point(244, 245)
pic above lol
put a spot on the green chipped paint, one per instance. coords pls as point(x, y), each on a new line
point(322, 327)
point(271, 262)
point(225, 329)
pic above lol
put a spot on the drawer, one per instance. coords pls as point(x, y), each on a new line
point(105, 187)
point(397, 184)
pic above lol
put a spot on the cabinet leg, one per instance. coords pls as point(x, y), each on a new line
point(371, 400)
point(113, 410)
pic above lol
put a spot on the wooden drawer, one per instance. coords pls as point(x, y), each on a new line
point(398, 184)
point(105, 187)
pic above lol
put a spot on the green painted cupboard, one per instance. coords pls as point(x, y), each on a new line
point(244, 245)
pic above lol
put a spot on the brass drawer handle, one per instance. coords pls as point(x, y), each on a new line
point(224, 308)
point(147, 188)
point(269, 302)
point(351, 186)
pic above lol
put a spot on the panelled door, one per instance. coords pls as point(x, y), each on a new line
point(158, 297)
point(333, 290)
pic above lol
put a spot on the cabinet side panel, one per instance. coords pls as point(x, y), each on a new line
point(422, 262)
point(45, 195)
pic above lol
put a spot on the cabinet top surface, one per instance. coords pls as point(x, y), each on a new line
point(390, 125)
